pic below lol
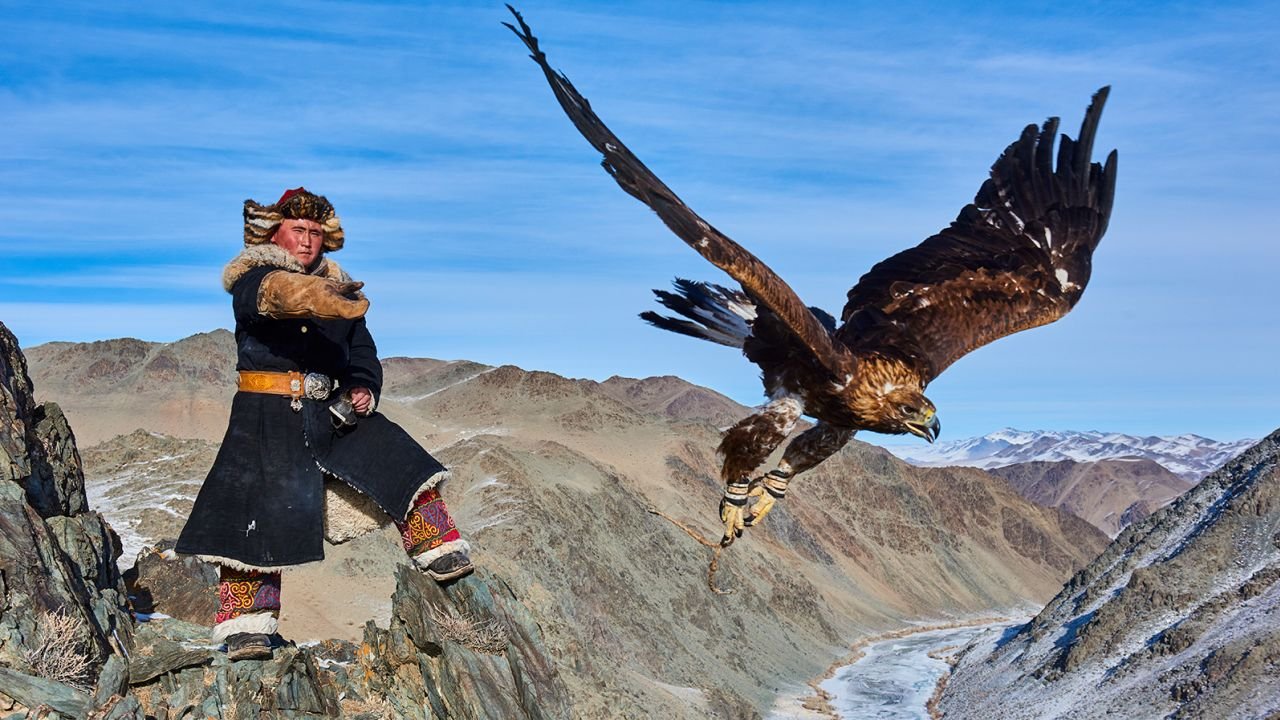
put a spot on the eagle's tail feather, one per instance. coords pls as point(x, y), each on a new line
point(714, 313)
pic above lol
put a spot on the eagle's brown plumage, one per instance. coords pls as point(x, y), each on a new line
point(1018, 257)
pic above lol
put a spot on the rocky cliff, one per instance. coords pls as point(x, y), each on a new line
point(64, 625)
point(1178, 618)
point(69, 646)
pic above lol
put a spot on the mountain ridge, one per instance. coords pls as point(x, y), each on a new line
point(1110, 494)
point(1187, 455)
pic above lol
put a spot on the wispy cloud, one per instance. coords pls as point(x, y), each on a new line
point(823, 137)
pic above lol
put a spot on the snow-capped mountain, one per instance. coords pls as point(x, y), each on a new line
point(1191, 457)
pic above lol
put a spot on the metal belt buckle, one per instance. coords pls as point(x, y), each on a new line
point(317, 386)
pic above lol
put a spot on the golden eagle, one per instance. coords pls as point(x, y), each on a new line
point(1017, 257)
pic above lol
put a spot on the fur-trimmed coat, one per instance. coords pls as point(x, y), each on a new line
point(262, 504)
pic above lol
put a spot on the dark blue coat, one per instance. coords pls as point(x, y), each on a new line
point(262, 504)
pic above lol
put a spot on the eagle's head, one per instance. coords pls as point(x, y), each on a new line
point(909, 411)
point(887, 396)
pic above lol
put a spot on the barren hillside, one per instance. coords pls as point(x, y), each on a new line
point(1110, 494)
point(552, 480)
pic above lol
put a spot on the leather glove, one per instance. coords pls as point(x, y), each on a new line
point(285, 294)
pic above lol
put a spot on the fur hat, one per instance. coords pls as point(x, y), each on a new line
point(261, 221)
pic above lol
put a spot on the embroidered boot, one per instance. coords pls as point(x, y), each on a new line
point(248, 612)
point(432, 540)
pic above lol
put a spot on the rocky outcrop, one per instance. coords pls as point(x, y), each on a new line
point(63, 616)
point(1179, 617)
point(69, 646)
point(469, 650)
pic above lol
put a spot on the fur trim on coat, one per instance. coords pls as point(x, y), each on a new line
point(257, 622)
point(430, 484)
point(270, 255)
point(248, 567)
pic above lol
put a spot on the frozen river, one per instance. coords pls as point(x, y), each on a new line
point(895, 678)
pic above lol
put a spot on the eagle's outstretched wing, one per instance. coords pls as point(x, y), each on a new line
point(1018, 257)
point(757, 279)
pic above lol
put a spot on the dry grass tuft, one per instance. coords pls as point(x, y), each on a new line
point(373, 707)
point(487, 636)
point(60, 652)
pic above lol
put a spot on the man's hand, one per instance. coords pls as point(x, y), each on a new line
point(362, 400)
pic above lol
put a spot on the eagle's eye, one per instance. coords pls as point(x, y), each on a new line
point(907, 410)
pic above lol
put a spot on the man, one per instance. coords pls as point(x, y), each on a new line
point(304, 422)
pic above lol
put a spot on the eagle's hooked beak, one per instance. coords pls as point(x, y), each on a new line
point(925, 425)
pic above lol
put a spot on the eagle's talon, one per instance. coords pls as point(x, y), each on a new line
point(734, 519)
point(763, 504)
point(733, 507)
point(766, 491)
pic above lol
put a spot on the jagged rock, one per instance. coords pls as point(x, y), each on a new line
point(182, 587)
point(113, 680)
point(17, 405)
point(154, 655)
point(35, 691)
point(58, 560)
point(36, 440)
point(469, 650)
point(119, 708)
point(474, 641)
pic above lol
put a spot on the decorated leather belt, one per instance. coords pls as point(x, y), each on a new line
point(293, 385)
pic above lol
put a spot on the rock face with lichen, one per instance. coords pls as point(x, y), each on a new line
point(468, 650)
point(1179, 617)
point(64, 624)
point(69, 646)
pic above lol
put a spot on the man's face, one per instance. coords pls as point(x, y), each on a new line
point(303, 239)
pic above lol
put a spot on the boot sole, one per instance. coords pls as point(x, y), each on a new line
point(442, 577)
point(256, 653)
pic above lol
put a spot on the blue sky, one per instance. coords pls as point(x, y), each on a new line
point(822, 136)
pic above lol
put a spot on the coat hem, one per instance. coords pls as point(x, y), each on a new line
point(249, 567)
